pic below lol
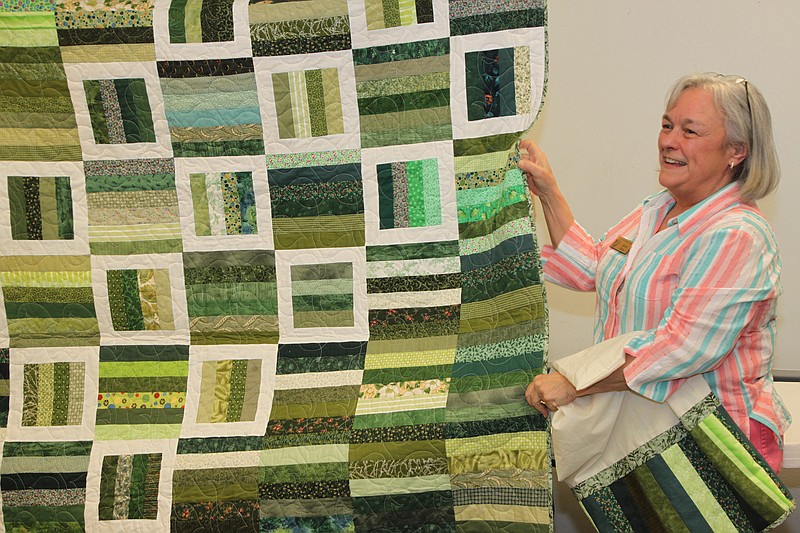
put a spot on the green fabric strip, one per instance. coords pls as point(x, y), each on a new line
point(485, 145)
point(416, 195)
point(326, 302)
point(391, 13)
point(43, 119)
point(130, 182)
point(740, 469)
point(69, 518)
point(47, 449)
point(322, 271)
point(30, 409)
point(16, 200)
point(220, 299)
point(481, 228)
point(219, 148)
point(97, 116)
point(406, 135)
point(283, 104)
point(316, 103)
point(208, 490)
point(694, 484)
point(135, 106)
point(247, 201)
point(30, 55)
point(202, 219)
point(137, 495)
point(192, 21)
point(57, 152)
point(323, 318)
point(301, 240)
point(235, 337)
point(491, 381)
point(49, 209)
point(386, 196)
point(404, 418)
point(176, 18)
point(304, 472)
point(108, 475)
point(393, 375)
point(116, 300)
point(679, 512)
point(238, 382)
point(151, 487)
point(137, 432)
point(242, 264)
point(131, 300)
point(252, 389)
point(61, 394)
point(401, 51)
point(218, 444)
point(145, 353)
point(66, 228)
point(139, 416)
point(143, 383)
point(35, 88)
point(164, 246)
point(49, 310)
point(230, 204)
point(33, 208)
point(479, 526)
point(377, 451)
point(404, 101)
point(528, 18)
point(421, 250)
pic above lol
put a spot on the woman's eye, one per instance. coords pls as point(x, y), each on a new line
point(689, 132)
point(666, 126)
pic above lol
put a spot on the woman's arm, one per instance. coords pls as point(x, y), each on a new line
point(542, 183)
point(550, 391)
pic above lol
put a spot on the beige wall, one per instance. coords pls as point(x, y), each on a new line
point(610, 66)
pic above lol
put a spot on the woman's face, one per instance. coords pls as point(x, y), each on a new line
point(694, 154)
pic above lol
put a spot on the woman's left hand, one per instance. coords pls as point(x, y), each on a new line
point(548, 392)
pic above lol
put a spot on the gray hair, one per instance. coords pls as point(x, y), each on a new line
point(748, 122)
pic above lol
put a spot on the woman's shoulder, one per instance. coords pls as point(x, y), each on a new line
point(742, 218)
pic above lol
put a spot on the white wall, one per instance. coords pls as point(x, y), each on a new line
point(610, 65)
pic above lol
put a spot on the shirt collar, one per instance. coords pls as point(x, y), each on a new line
point(700, 212)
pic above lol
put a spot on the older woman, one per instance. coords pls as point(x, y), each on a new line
point(695, 267)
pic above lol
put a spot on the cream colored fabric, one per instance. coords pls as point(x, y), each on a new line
point(594, 432)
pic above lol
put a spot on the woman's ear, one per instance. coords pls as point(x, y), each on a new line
point(740, 153)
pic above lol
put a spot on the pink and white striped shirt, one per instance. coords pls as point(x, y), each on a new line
point(703, 291)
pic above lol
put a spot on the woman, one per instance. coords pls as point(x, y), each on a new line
point(695, 267)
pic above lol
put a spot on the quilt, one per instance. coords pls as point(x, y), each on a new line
point(270, 265)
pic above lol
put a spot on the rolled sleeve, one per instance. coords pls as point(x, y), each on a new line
point(574, 263)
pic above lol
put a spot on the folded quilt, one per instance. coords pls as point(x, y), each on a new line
point(639, 465)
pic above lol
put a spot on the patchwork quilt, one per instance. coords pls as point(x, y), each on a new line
point(270, 265)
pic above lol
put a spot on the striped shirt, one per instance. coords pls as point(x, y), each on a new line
point(703, 291)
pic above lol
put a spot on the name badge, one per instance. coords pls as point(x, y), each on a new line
point(622, 245)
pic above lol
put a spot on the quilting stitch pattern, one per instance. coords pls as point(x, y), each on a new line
point(270, 266)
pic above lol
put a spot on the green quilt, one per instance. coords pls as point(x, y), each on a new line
point(270, 266)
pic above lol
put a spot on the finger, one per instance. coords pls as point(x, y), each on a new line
point(533, 399)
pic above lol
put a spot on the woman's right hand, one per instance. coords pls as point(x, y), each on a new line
point(537, 170)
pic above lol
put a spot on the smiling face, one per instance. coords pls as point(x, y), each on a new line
point(694, 154)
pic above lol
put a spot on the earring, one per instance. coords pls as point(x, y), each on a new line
point(731, 165)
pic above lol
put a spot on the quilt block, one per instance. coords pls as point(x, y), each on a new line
point(270, 266)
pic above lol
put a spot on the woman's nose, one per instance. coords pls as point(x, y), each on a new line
point(668, 139)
